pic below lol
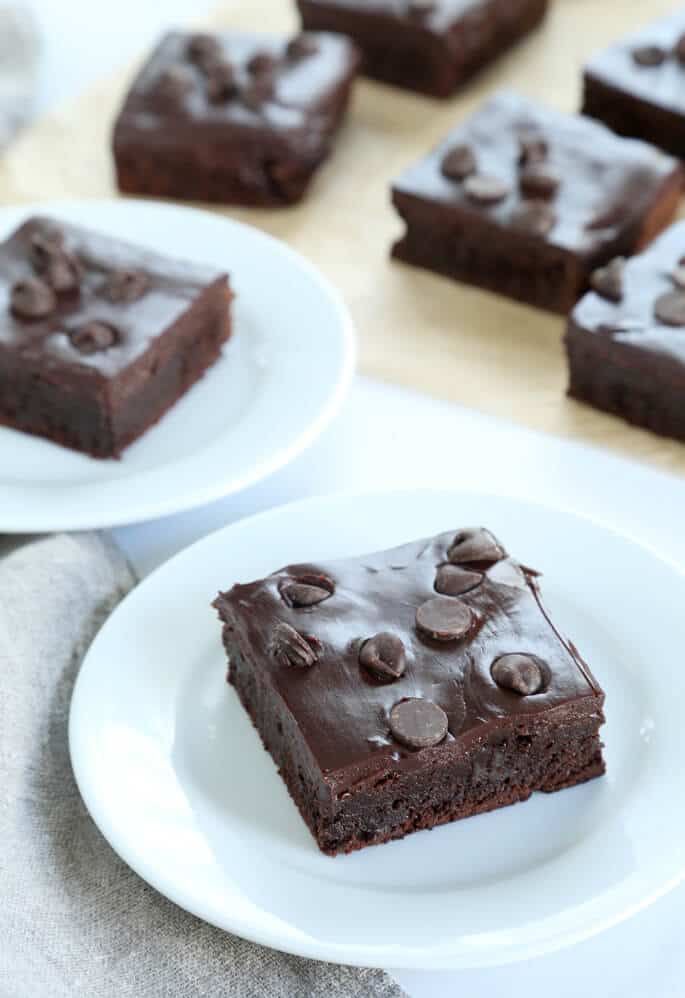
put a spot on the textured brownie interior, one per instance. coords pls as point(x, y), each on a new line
point(328, 722)
point(412, 52)
point(629, 115)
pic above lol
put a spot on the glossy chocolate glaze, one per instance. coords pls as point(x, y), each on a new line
point(343, 712)
point(627, 332)
point(662, 85)
point(304, 91)
point(606, 184)
point(172, 286)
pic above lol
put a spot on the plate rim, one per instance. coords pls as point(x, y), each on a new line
point(356, 954)
point(151, 509)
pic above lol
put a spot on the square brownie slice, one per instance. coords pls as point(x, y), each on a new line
point(432, 46)
point(626, 339)
point(99, 338)
point(637, 85)
point(410, 688)
point(527, 201)
point(233, 118)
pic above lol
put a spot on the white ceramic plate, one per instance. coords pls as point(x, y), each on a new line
point(279, 381)
point(176, 778)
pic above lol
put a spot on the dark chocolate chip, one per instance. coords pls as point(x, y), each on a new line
point(204, 50)
point(523, 674)
point(262, 63)
point(175, 82)
point(301, 47)
point(669, 308)
point(63, 273)
point(418, 723)
point(44, 246)
point(608, 281)
point(538, 181)
point(678, 275)
point(680, 49)
point(486, 189)
point(459, 163)
point(292, 648)
point(532, 149)
point(93, 337)
point(125, 286)
point(475, 544)
point(221, 85)
point(299, 594)
point(257, 93)
point(451, 580)
point(444, 618)
point(649, 55)
point(384, 656)
point(32, 298)
point(535, 217)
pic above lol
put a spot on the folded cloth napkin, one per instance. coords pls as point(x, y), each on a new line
point(18, 61)
point(74, 920)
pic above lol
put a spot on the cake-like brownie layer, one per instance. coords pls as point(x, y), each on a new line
point(637, 85)
point(431, 47)
point(527, 202)
point(626, 339)
point(233, 118)
point(409, 688)
point(99, 338)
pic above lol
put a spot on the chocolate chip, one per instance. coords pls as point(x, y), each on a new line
point(125, 286)
point(532, 149)
point(649, 55)
point(298, 593)
point(262, 63)
point(204, 49)
point(32, 298)
point(608, 281)
point(175, 82)
point(680, 49)
point(451, 580)
point(258, 93)
point(523, 674)
point(44, 246)
point(669, 308)
point(384, 656)
point(537, 181)
point(459, 163)
point(63, 273)
point(221, 85)
point(300, 47)
point(93, 337)
point(678, 275)
point(486, 189)
point(418, 723)
point(535, 217)
point(444, 619)
point(292, 648)
point(420, 8)
point(475, 544)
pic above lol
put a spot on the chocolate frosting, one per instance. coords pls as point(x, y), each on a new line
point(169, 289)
point(628, 332)
point(605, 182)
point(662, 84)
point(343, 710)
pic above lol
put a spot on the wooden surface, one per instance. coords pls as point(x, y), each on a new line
point(414, 328)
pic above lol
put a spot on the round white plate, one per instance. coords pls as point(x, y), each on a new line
point(178, 782)
point(278, 382)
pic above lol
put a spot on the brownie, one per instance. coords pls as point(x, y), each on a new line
point(410, 688)
point(626, 338)
point(432, 46)
point(637, 85)
point(99, 338)
point(233, 118)
point(527, 201)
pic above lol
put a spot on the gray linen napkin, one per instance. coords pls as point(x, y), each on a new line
point(74, 920)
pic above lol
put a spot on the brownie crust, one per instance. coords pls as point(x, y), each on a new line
point(433, 51)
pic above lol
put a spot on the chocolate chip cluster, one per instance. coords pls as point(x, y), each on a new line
point(538, 184)
point(649, 56)
point(445, 618)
